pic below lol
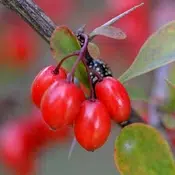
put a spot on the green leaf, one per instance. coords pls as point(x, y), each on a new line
point(141, 150)
point(137, 93)
point(108, 31)
point(64, 42)
point(157, 51)
point(93, 50)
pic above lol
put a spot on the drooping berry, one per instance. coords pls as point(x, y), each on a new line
point(60, 104)
point(115, 97)
point(92, 126)
point(43, 80)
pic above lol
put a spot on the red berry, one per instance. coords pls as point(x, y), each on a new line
point(93, 125)
point(39, 132)
point(23, 50)
point(115, 97)
point(15, 148)
point(43, 80)
point(60, 104)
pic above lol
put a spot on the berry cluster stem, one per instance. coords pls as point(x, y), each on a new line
point(80, 57)
point(56, 71)
point(100, 78)
point(92, 92)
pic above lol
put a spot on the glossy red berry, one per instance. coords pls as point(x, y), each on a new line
point(93, 125)
point(115, 97)
point(43, 80)
point(60, 104)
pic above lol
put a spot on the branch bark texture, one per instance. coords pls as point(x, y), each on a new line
point(33, 15)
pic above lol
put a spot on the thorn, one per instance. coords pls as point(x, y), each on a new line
point(72, 147)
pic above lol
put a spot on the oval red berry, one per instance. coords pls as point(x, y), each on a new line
point(60, 104)
point(115, 97)
point(43, 80)
point(93, 125)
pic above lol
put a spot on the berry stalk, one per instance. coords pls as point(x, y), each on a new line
point(56, 71)
point(44, 26)
point(92, 92)
point(80, 57)
point(89, 70)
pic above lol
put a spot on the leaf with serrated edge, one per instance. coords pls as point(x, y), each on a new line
point(64, 42)
point(157, 51)
point(109, 31)
point(141, 150)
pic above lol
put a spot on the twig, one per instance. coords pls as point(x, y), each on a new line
point(159, 92)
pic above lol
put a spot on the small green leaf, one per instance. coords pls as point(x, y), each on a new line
point(137, 93)
point(141, 150)
point(64, 42)
point(108, 31)
point(157, 51)
point(94, 50)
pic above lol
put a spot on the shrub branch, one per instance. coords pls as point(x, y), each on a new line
point(44, 26)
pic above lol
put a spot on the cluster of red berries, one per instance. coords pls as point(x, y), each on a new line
point(63, 103)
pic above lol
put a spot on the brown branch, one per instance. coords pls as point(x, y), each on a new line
point(134, 118)
point(33, 15)
point(44, 26)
